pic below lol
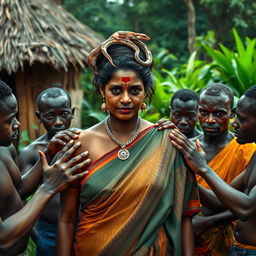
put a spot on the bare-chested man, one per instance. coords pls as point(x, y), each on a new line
point(240, 195)
point(214, 231)
point(16, 219)
point(55, 113)
point(183, 112)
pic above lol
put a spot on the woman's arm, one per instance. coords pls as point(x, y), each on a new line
point(188, 243)
point(67, 221)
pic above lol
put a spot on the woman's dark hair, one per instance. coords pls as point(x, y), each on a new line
point(123, 58)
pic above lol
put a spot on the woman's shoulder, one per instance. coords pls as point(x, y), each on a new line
point(145, 124)
point(92, 132)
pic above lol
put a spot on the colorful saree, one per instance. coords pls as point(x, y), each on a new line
point(134, 207)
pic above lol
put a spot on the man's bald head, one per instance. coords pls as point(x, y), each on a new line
point(53, 92)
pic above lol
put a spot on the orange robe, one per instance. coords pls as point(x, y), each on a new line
point(228, 164)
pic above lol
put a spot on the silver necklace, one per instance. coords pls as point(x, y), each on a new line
point(123, 153)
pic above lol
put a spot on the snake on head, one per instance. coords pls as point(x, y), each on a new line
point(131, 39)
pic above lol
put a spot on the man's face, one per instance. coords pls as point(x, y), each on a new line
point(214, 113)
point(245, 122)
point(55, 114)
point(184, 115)
point(9, 124)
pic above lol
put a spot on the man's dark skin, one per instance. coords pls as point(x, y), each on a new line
point(240, 195)
point(55, 113)
point(17, 220)
point(184, 115)
point(214, 114)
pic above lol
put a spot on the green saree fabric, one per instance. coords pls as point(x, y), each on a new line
point(134, 207)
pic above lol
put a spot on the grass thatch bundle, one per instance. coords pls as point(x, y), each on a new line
point(41, 30)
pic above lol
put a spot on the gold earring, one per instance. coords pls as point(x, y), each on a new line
point(143, 106)
point(103, 106)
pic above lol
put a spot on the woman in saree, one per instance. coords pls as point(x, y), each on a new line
point(139, 195)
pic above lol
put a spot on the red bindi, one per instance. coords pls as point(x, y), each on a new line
point(126, 79)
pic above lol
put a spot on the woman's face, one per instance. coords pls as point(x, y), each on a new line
point(124, 94)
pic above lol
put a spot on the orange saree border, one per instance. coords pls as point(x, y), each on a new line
point(111, 155)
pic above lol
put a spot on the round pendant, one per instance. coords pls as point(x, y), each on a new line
point(123, 154)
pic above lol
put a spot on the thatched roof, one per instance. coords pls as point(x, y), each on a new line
point(41, 30)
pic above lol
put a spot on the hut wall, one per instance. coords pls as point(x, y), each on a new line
point(30, 82)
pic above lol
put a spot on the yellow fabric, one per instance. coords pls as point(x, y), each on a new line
point(216, 241)
point(229, 163)
point(122, 202)
point(135, 207)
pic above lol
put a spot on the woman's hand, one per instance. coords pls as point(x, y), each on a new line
point(192, 151)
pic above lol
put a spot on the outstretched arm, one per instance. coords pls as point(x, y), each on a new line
point(201, 223)
point(211, 201)
point(33, 177)
point(13, 228)
point(243, 206)
point(56, 178)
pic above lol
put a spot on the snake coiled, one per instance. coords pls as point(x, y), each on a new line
point(127, 38)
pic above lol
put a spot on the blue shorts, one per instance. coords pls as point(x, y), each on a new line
point(46, 242)
point(238, 251)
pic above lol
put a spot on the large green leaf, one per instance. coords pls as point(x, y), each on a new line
point(239, 44)
point(220, 58)
point(190, 66)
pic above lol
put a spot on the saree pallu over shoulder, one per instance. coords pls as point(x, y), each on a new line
point(134, 207)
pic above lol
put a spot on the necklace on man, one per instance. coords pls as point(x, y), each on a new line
point(123, 153)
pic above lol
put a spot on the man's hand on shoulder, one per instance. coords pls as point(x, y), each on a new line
point(192, 152)
point(165, 124)
point(65, 169)
point(60, 140)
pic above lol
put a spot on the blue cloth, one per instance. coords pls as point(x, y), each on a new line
point(46, 242)
point(237, 251)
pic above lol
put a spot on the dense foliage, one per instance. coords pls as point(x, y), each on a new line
point(175, 68)
point(166, 21)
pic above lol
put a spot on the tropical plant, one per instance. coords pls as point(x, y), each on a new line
point(31, 249)
point(91, 102)
point(194, 75)
point(235, 68)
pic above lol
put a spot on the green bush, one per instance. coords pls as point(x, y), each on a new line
point(194, 75)
point(91, 113)
point(235, 68)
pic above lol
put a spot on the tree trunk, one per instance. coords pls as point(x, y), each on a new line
point(191, 25)
point(59, 1)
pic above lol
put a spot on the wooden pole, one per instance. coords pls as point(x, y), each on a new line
point(191, 25)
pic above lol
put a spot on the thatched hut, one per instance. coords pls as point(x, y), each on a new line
point(42, 45)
